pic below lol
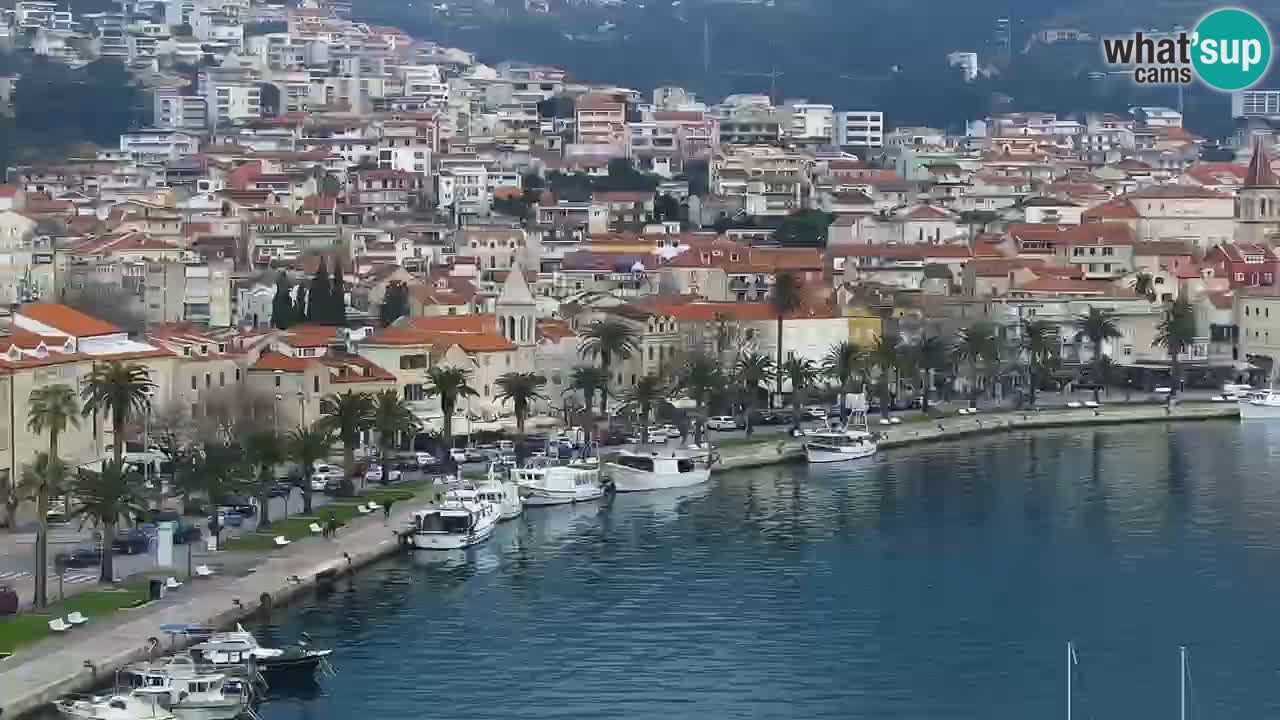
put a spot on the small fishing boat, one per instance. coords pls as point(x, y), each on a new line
point(838, 446)
point(138, 705)
point(456, 523)
point(638, 471)
point(188, 691)
point(503, 493)
point(238, 652)
point(564, 484)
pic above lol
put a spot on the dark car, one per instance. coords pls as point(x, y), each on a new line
point(81, 557)
point(239, 503)
point(131, 542)
point(281, 488)
point(8, 601)
point(183, 532)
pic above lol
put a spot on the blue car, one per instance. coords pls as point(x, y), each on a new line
point(131, 542)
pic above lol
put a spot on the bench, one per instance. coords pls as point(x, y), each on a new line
point(281, 541)
point(203, 571)
point(77, 618)
point(58, 625)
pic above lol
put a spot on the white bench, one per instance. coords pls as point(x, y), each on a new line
point(77, 618)
point(1091, 404)
point(204, 571)
point(1075, 404)
point(281, 541)
point(363, 509)
point(964, 411)
point(58, 625)
point(172, 583)
point(895, 421)
point(884, 421)
point(315, 528)
point(374, 506)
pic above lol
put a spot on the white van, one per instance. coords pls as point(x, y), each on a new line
point(722, 422)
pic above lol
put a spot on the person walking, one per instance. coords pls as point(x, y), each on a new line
point(386, 510)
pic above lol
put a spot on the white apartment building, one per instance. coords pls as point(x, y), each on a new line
point(602, 121)
point(1257, 103)
point(467, 187)
point(811, 122)
point(151, 146)
point(860, 128)
point(180, 112)
point(425, 82)
point(232, 92)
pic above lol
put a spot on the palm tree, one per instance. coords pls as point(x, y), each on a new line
point(40, 479)
point(785, 298)
point(1039, 341)
point(121, 390)
point(751, 371)
point(587, 380)
point(802, 374)
point(1144, 284)
point(391, 416)
point(1175, 333)
point(611, 340)
point(52, 408)
point(975, 345)
point(700, 377)
point(346, 416)
point(648, 393)
point(450, 383)
point(263, 451)
point(884, 353)
point(1098, 326)
point(931, 354)
point(105, 498)
point(841, 365)
point(307, 446)
point(521, 389)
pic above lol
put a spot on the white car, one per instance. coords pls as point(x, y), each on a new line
point(374, 474)
point(671, 430)
point(657, 435)
point(322, 473)
point(458, 455)
point(722, 422)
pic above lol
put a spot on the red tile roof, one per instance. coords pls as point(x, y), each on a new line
point(907, 252)
point(1176, 192)
point(68, 320)
point(1072, 287)
point(277, 361)
point(1117, 209)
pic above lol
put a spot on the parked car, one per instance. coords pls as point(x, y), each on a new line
point(8, 601)
point(671, 430)
point(374, 474)
point(322, 473)
point(474, 455)
point(280, 488)
point(183, 531)
point(722, 422)
point(130, 542)
point(614, 437)
point(240, 504)
point(816, 413)
point(458, 455)
point(82, 557)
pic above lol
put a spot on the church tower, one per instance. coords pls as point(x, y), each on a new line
point(1258, 202)
point(516, 310)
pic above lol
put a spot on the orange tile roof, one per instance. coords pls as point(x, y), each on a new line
point(1117, 209)
point(555, 330)
point(1075, 287)
point(686, 311)
point(276, 361)
point(480, 323)
point(68, 320)
point(355, 369)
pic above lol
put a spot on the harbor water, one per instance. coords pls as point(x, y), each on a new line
point(938, 581)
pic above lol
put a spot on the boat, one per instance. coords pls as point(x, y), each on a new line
point(456, 523)
point(189, 691)
point(838, 446)
point(563, 484)
point(634, 471)
point(143, 705)
point(503, 493)
point(239, 652)
point(1264, 405)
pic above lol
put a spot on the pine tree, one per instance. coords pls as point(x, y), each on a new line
point(282, 305)
point(300, 305)
point(338, 297)
point(318, 300)
point(395, 303)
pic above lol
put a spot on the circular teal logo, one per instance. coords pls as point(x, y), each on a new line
point(1231, 49)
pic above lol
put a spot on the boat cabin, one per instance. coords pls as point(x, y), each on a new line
point(443, 520)
point(653, 462)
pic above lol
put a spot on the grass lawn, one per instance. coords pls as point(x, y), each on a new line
point(95, 604)
point(343, 510)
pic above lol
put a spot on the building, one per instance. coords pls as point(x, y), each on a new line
point(601, 121)
point(1257, 204)
point(1256, 103)
point(200, 293)
point(859, 129)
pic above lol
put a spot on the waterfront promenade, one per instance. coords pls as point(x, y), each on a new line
point(87, 657)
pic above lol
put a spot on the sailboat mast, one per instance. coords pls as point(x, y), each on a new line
point(1182, 682)
point(1071, 654)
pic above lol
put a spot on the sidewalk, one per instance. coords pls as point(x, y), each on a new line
point(88, 656)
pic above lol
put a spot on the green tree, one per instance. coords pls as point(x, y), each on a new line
point(121, 390)
point(649, 393)
point(338, 296)
point(1175, 333)
point(750, 372)
point(802, 374)
point(932, 354)
point(40, 479)
point(699, 379)
point(884, 352)
point(300, 311)
point(841, 365)
point(1144, 284)
point(804, 228)
point(282, 314)
point(263, 451)
point(395, 303)
point(319, 299)
point(975, 345)
point(587, 380)
point(785, 298)
point(346, 416)
point(106, 499)
point(53, 408)
point(666, 207)
point(521, 388)
point(1039, 341)
point(1098, 325)
point(391, 416)
point(308, 446)
point(610, 340)
point(451, 384)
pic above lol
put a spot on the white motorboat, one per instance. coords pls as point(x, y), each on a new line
point(138, 705)
point(189, 692)
point(1260, 405)
point(503, 493)
point(455, 523)
point(563, 484)
point(639, 471)
point(838, 446)
point(239, 651)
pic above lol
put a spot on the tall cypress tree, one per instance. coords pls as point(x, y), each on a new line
point(282, 305)
point(300, 305)
point(318, 299)
point(338, 296)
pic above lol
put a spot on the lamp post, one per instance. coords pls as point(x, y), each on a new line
point(275, 414)
point(302, 408)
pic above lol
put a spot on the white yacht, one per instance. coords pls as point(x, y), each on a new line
point(456, 523)
point(239, 650)
point(638, 471)
point(138, 705)
point(563, 484)
point(503, 493)
point(838, 445)
point(1264, 405)
point(190, 693)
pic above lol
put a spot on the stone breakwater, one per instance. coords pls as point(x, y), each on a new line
point(88, 657)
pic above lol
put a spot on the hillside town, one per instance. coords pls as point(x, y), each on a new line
point(321, 205)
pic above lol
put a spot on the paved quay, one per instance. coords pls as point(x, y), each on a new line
point(88, 656)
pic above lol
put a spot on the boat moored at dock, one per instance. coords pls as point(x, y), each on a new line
point(634, 471)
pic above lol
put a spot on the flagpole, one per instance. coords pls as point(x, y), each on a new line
point(1182, 682)
point(1070, 656)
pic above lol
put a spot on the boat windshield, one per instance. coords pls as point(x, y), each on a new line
point(685, 465)
point(634, 462)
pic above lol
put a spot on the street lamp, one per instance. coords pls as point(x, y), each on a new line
point(275, 413)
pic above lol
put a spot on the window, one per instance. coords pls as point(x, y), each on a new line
point(196, 386)
point(222, 379)
point(1239, 277)
point(486, 391)
point(1268, 278)
point(1108, 251)
point(208, 380)
point(237, 374)
point(315, 383)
